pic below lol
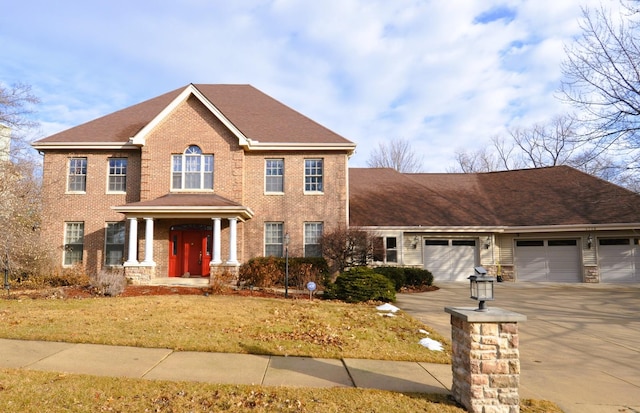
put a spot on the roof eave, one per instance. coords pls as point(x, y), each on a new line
point(282, 146)
point(43, 146)
point(241, 212)
point(508, 229)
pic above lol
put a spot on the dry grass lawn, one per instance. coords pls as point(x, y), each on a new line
point(224, 324)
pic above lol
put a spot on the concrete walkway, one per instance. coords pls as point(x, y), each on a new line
point(224, 368)
point(580, 345)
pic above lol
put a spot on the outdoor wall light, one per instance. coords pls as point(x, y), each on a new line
point(487, 242)
point(481, 287)
point(589, 241)
point(415, 242)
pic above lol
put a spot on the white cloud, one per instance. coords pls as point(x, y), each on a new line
point(370, 70)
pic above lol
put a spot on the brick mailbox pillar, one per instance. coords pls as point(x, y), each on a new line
point(486, 359)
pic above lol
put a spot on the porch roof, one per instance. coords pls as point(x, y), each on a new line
point(181, 205)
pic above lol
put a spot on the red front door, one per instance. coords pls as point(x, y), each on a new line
point(190, 253)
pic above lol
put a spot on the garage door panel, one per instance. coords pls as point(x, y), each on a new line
point(450, 261)
point(548, 260)
point(531, 263)
point(563, 262)
point(618, 260)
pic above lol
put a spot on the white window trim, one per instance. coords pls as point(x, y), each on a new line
point(106, 229)
point(304, 177)
point(183, 174)
point(64, 252)
point(68, 174)
point(108, 191)
point(267, 192)
point(265, 238)
point(304, 235)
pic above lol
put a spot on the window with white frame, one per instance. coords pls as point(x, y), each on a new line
point(114, 243)
point(73, 242)
point(117, 175)
point(273, 239)
point(274, 175)
point(192, 169)
point(313, 175)
point(385, 249)
point(312, 236)
point(77, 177)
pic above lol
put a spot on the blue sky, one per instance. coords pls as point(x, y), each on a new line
point(444, 74)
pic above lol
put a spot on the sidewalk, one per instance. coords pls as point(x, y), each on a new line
point(224, 368)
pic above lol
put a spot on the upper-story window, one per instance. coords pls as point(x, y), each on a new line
point(77, 178)
point(313, 172)
point(192, 170)
point(117, 175)
point(274, 175)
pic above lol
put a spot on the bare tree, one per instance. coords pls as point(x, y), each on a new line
point(20, 202)
point(347, 247)
point(397, 154)
point(602, 76)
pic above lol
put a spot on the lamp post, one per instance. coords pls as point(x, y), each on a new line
point(481, 288)
point(286, 265)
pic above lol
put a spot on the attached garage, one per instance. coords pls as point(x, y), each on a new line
point(548, 260)
point(619, 260)
point(450, 259)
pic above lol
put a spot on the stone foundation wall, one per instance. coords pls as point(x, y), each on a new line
point(591, 275)
point(486, 366)
point(504, 271)
point(139, 275)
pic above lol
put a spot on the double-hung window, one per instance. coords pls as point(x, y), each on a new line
point(117, 175)
point(192, 169)
point(312, 236)
point(73, 242)
point(274, 175)
point(313, 174)
point(385, 249)
point(273, 239)
point(114, 243)
point(77, 177)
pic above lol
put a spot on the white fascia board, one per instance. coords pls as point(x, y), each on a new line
point(83, 145)
point(271, 146)
point(422, 229)
point(508, 230)
point(184, 211)
point(140, 138)
point(573, 228)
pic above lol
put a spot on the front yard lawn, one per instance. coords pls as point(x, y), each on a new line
point(321, 329)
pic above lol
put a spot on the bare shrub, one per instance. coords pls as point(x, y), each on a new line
point(219, 283)
point(109, 282)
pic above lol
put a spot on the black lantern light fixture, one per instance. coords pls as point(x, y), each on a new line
point(481, 286)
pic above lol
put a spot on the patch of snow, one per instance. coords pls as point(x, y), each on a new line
point(423, 332)
point(387, 307)
point(431, 344)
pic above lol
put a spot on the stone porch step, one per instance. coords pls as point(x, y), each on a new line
point(183, 282)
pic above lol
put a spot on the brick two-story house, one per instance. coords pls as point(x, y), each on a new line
point(192, 182)
point(203, 178)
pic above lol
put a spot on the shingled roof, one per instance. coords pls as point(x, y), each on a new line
point(258, 116)
point(530, 197)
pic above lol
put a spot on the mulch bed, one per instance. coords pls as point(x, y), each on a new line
point(152, 290)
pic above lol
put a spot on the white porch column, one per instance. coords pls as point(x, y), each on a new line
point(132, 257)
point(148, 242)
point(233, 252)
point(216, 241)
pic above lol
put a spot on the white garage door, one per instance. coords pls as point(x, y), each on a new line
point(548, 260)
point(450, 260)
point(619, 260)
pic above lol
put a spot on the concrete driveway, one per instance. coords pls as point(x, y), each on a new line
point(580, 345)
